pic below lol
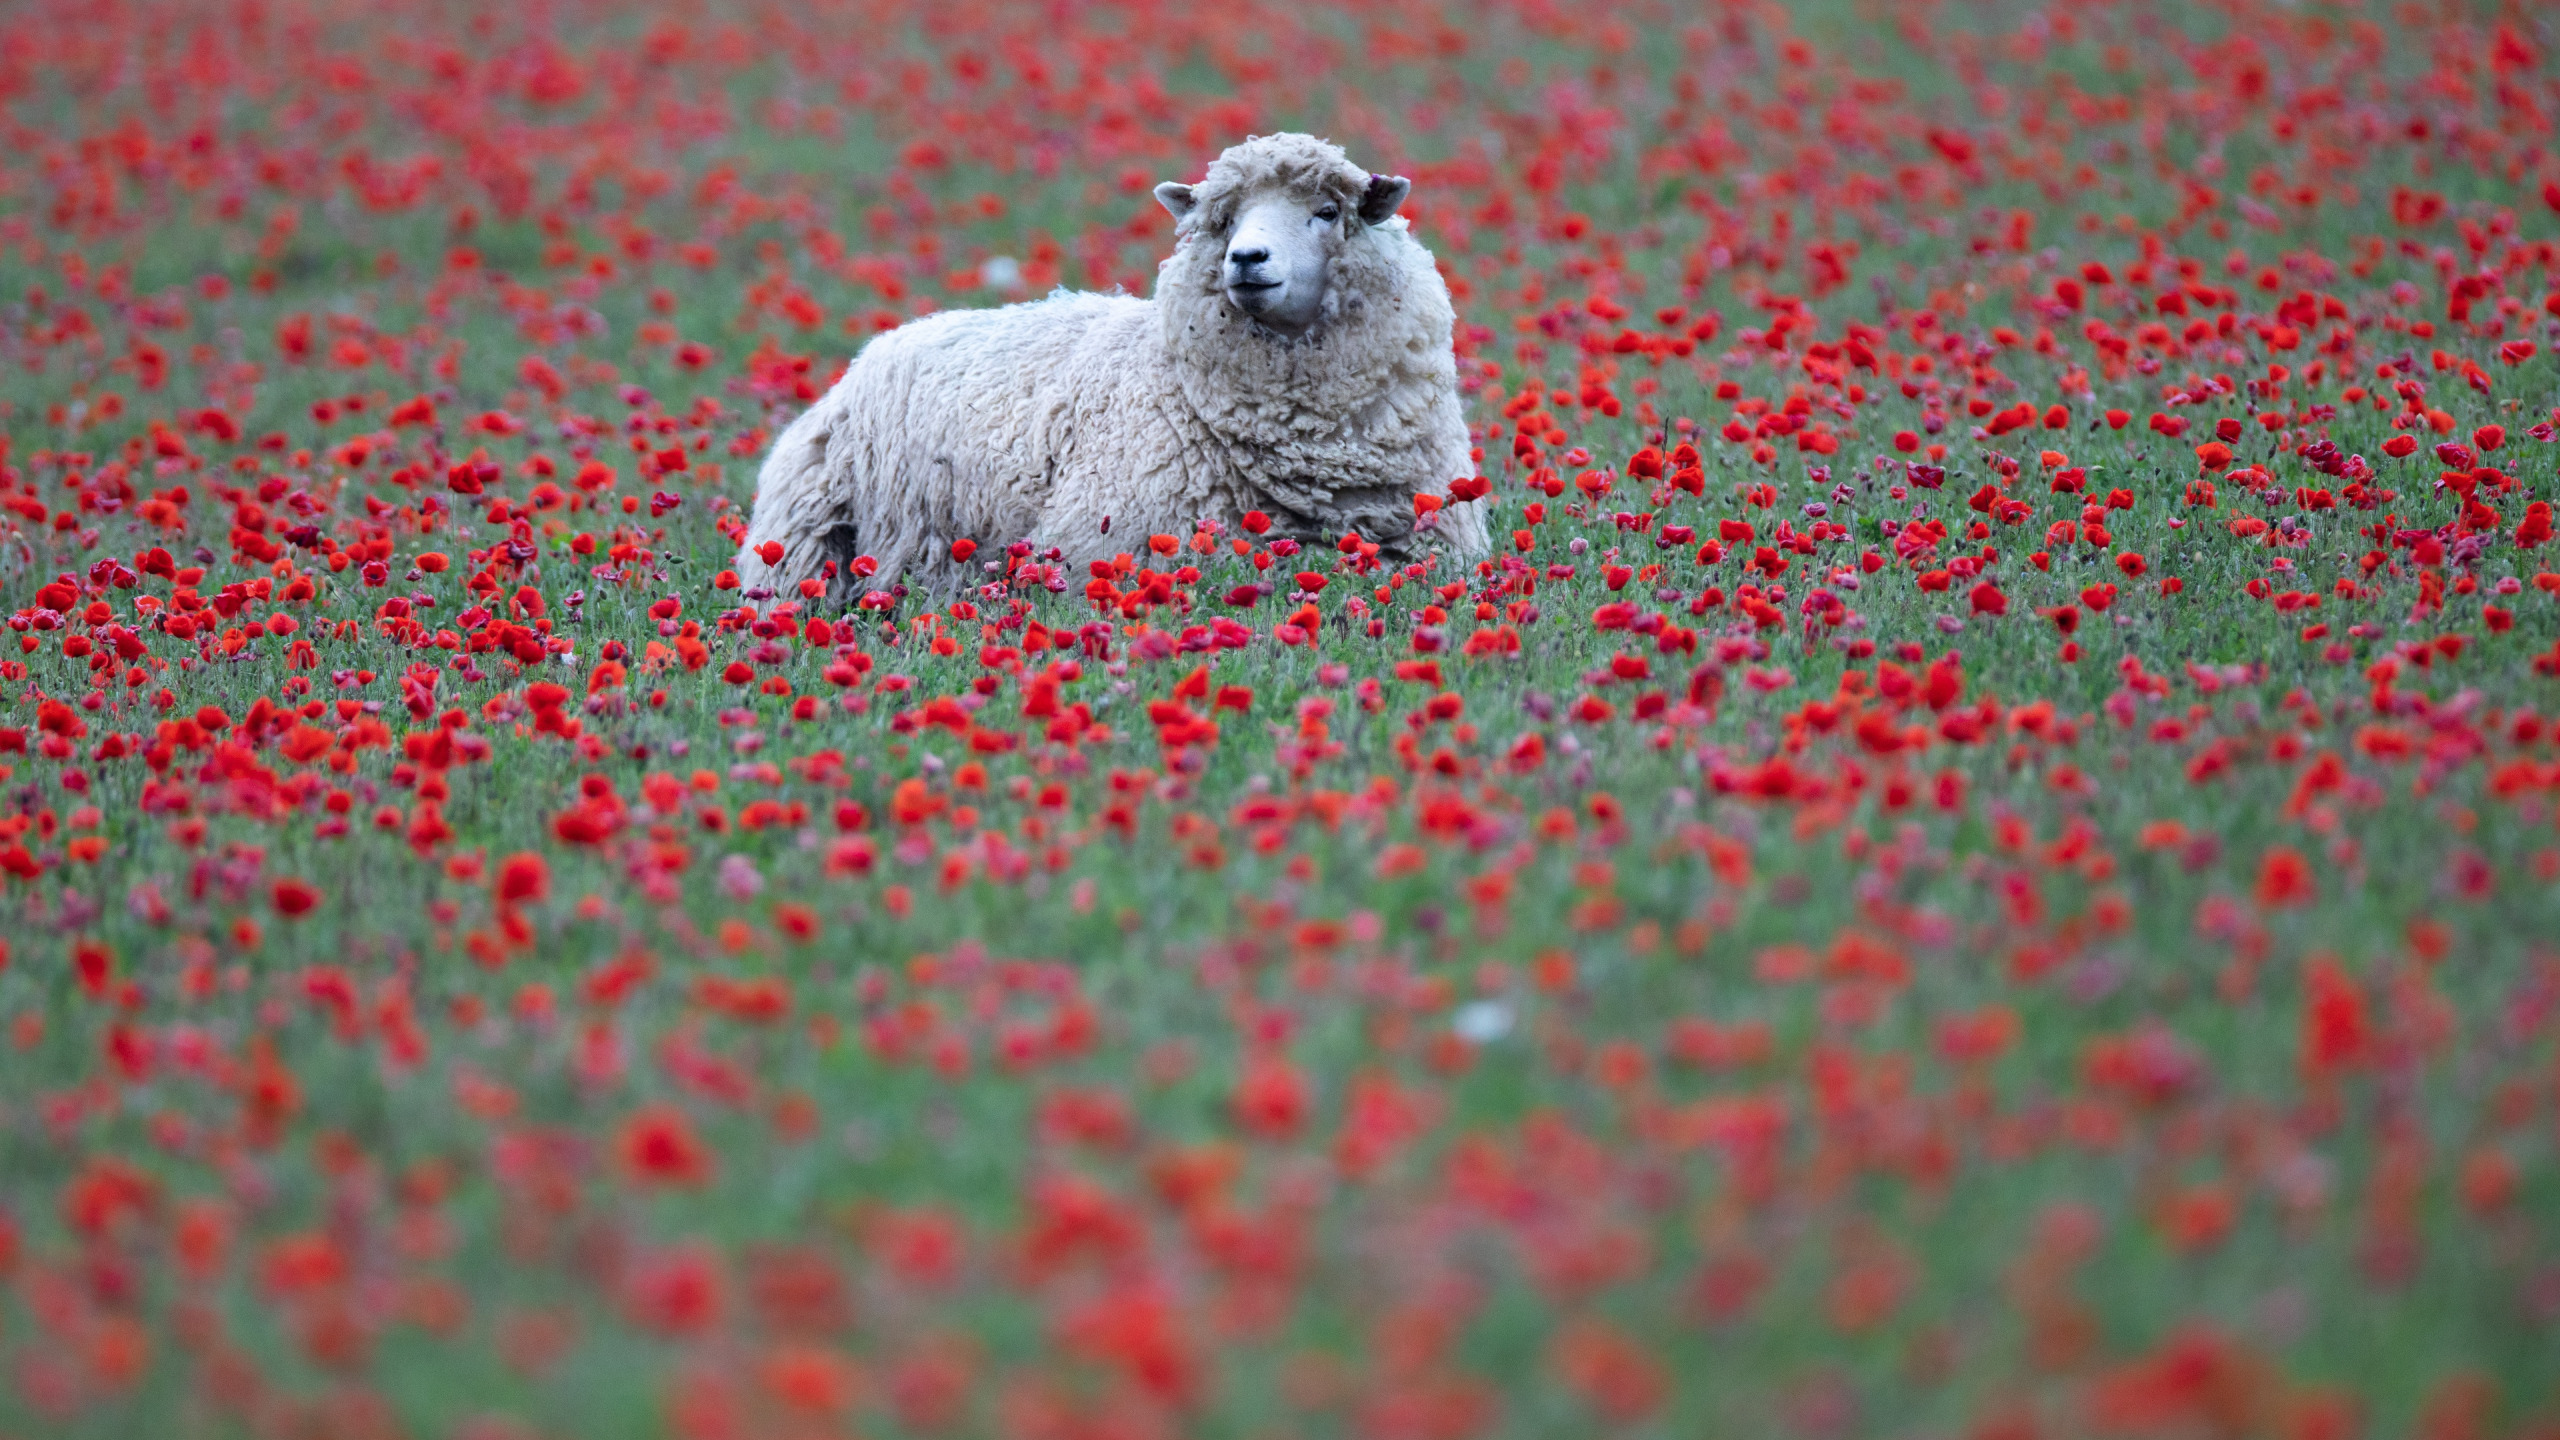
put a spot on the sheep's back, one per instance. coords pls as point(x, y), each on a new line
point(961, 423)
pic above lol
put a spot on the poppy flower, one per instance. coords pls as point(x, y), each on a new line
point(810, 1379)
point(294, 898)
point(1271, 1099)
point(658, 1147)
point(679, 1291)
point(2284, 879)
point(2333, 1021)
point(523, 877)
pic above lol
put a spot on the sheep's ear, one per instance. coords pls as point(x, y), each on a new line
point(1378, 203)
point(1176, 198)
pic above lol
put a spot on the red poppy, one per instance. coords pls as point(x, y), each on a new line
point(1272, 1098)
point(658, 1147)
point(2333, 1019)
point(676, 1292)
point(524, 877)
point(2285, 879)
point(294, 898)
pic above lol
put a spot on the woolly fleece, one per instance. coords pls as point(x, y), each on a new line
point(1041, 419)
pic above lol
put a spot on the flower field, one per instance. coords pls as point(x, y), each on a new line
point(1982, 860)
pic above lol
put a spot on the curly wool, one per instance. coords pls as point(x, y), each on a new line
point(1047, 420)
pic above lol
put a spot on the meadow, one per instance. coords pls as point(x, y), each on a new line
point(1982, 860)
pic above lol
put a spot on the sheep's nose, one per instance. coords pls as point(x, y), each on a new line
point(1249, 255)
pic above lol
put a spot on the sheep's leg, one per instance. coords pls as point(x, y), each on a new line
point(841, 542)
point(796, 506)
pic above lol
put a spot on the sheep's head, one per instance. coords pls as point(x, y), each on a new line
point(1282, 207)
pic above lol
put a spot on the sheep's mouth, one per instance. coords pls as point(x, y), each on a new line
point(1252, 287)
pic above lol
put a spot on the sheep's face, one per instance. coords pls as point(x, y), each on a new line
point(1277, 253)
point(1279, 242)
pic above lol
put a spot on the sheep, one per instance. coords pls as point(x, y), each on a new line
point(1295, 360)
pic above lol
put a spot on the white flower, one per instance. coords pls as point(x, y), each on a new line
point(1480, 1022)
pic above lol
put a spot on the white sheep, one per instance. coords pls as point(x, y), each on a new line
point(1295, 360)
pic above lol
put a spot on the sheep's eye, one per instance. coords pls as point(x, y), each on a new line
point(1329, 214)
